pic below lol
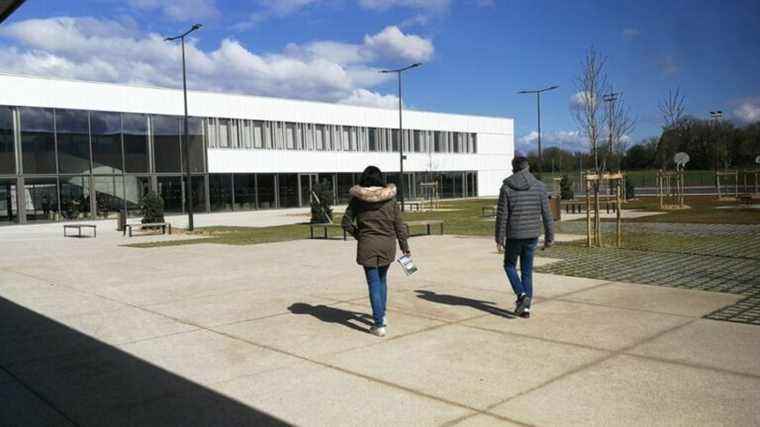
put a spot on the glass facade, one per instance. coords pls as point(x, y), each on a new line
point(7, 146)
point(78, 164)
point(37, 141)
point(72, 129)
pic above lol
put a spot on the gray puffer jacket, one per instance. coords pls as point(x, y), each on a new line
point(523, 206)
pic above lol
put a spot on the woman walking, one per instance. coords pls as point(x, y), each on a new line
point(374, 219)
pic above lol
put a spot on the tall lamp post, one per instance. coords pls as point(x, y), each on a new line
point(401, 129)
point(610, 99)
point(538, 104)
point(716, 116)
point(185, 142)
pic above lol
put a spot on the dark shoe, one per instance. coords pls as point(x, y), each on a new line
point(522, 303)
point(526, 313)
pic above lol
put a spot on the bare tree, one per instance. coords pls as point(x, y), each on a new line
point(673, 108)
point(590, 86)
point(619, 124)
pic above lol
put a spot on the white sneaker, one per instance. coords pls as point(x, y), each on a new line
point(377, 331)
point(385, 320)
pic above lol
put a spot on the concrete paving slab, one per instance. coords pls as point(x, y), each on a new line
point(317, 330)
point(544, 285)
point(473, 367)
point(483, 420)
point(232, 307)
point(450, 303)
point(721, 345)
point(684, 302)
point(631, 391)
point(11, 281)
point(204, 357)
point(312, 395)
point(58, 301)
point(22, 408)
point(589, 325)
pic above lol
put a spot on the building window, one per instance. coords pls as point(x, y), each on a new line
point(265, 190)
point(106, 143)
point(170, 189)
point(258, 134)
point(197, 149)
point(135, 129)
point(224, 133)
point(290, 136)
point(245, 191)
point(166, 145)
point(37, 140)
point(7, 148)
point(72, 128)
point(220, 191)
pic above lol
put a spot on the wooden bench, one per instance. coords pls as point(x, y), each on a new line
point(162, 225)
point(325, 227)
point(427, 223)
point(488, 211)
point(79, 228)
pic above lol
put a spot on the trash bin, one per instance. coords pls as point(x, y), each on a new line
point(121, 223)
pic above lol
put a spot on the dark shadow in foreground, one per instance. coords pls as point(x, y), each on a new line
point(466, 302)
point(52, 375)
point(329, 314)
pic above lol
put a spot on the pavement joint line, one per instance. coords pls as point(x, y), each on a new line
point(542, 339)
point(596, 304)
point(39, 395)
point(693, 365)
point(596, 362)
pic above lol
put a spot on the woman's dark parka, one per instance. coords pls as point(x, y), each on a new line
point(374, 219)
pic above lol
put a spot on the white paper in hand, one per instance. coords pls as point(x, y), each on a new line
point(408, 265)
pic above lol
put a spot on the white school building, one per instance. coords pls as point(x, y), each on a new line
point(74, 149)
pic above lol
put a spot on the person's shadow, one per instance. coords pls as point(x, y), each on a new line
point(485, 306)
point(327, 314)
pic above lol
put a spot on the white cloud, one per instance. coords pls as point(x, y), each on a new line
point(429, 5)
point(185, 10)
point(114, 51)
point(368, 98)
point(579, 99)
point(748, 111)
point(631, 33)
point(393, 43)
point(568, 140)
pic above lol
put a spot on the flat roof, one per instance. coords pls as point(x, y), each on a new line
point(39, 91)
point(7, 7)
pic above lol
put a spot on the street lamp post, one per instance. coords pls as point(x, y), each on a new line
point(538, 107)
point(401, 129)
point(610, 99)
point(716, 116)
point(185, 142)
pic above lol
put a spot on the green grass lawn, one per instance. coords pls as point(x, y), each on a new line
point(463, 217)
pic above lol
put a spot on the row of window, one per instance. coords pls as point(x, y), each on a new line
point(84, 196)
point(58, 141)
point(255, 134)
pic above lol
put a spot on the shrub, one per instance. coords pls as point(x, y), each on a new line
point(321, 206)
point(152, 208)
point(566, 188)
point(630, 190)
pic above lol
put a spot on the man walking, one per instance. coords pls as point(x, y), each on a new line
point(523, 206)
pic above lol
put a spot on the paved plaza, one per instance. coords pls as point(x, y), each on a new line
point(94, 333)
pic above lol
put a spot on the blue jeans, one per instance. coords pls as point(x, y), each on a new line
point(524, 249)
point(378, 291)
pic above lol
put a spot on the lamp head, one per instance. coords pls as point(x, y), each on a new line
point(197, 27)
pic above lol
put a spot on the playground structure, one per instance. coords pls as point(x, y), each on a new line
point(724, 189)
point(593, 184)
point(431, 198)
point(671, 189)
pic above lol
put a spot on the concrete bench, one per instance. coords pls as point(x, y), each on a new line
point(428, 223)
point(164, 226)
point(79, 228)
point(488, 211)
point(324, 228)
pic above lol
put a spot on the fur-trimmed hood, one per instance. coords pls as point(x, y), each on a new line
point(374, 194)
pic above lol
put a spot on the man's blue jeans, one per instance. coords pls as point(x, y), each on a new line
point(378, 291)
point(523, 249)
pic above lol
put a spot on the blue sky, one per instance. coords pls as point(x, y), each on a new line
point(477, 53)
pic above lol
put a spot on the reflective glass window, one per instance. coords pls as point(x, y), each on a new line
point(109, 195)
point(106, 142)
point(135, 128)
point(197, 150)
point(37, 140)
point(41, 198)
point(75, 197)
point(245, 191)
point(72, 128)
point(166, 145)
point(7, 151)
point(288, 184)
point(265, 190)
point(170, 190)
point(220, 191)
